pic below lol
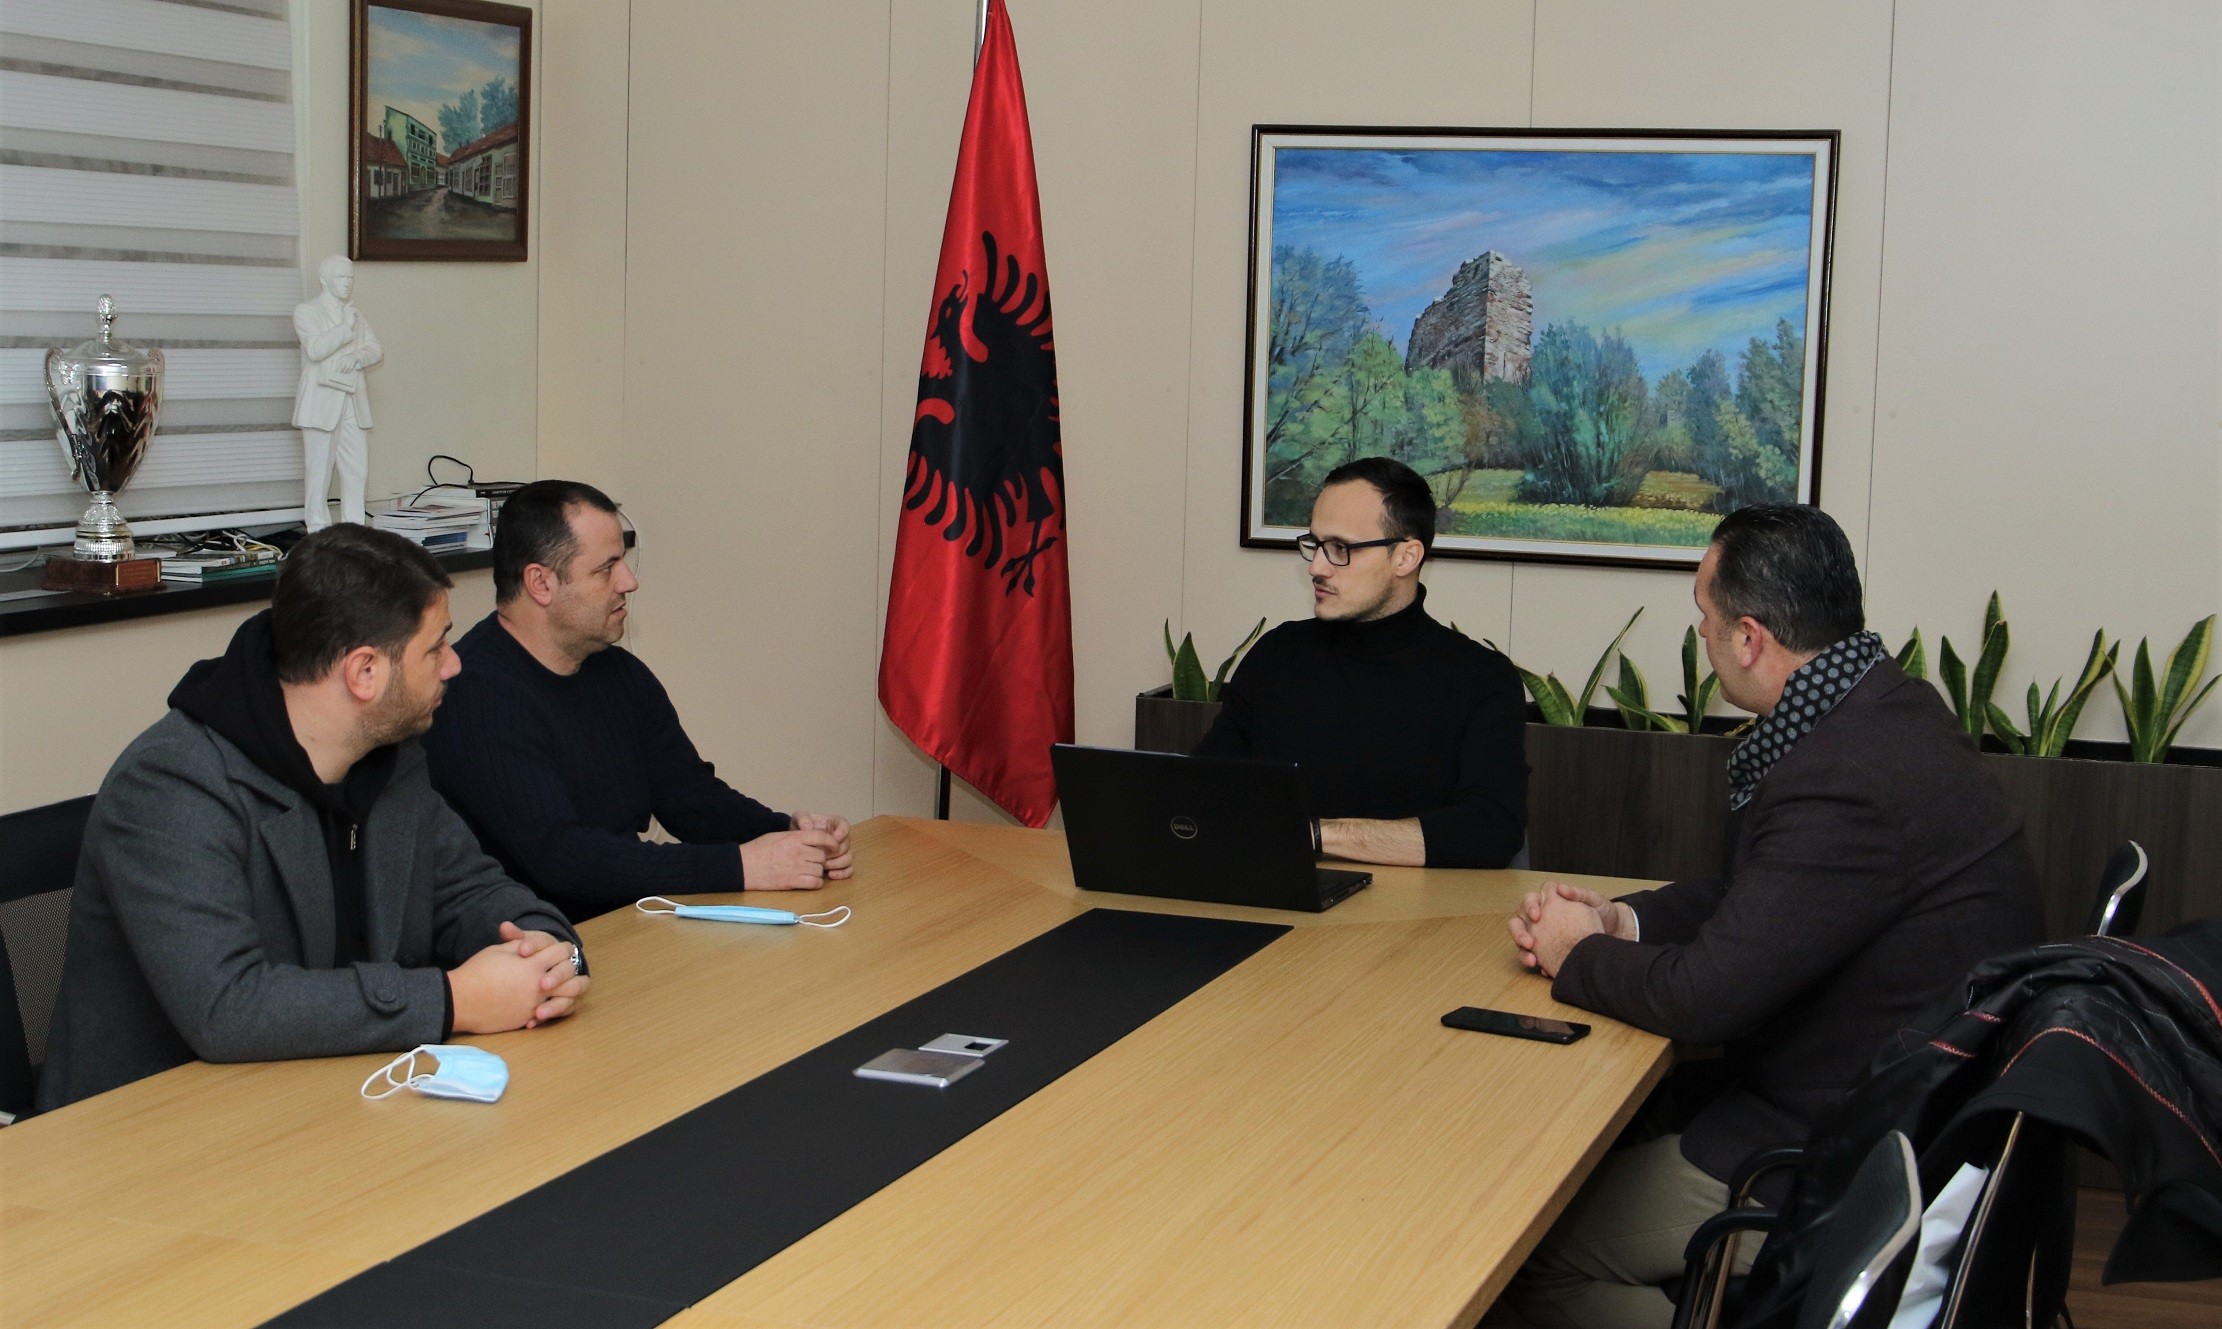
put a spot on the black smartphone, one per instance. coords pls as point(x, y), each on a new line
point(1483, 1021)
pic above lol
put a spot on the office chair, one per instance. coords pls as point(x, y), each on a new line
point(38, 863)
point(2121, 896)
point(1861, 1265)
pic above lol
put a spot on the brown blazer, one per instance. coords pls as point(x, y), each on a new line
point(1876, 864)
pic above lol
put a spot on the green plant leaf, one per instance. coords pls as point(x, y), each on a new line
point(1913, 658)
point(1171, 655)
point(1706, 691)
point(1640, 717)
point(2185, 664)
point(1633, 696)
point(1189, 683)
point(1954, 676)
point(2168, 740)
point(1549, 694)
point(1992, 616)
point(1589, 689)
point(2096, 667)
point(1226, 666)
point(1987, 667)
point(1697, 692)
point(2015, 741)
point(2140, 706)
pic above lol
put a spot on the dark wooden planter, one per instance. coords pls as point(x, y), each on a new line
point(1164, 725)
point(1616, 803)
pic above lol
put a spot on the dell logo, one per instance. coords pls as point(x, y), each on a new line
point(1184, 827)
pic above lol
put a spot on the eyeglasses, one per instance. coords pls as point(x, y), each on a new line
point(1309, 547)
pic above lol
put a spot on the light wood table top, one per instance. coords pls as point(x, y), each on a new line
point(1298, 1142)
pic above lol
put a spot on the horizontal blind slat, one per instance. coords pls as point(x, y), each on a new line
point(155, 288)
point(151, 25)
point(107, 198)
point(82, 106)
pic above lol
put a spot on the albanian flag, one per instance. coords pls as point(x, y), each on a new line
point(977, 667)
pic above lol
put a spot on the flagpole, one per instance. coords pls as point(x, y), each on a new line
point(979, 39)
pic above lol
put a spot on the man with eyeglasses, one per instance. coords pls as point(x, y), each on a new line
point(1411, 735)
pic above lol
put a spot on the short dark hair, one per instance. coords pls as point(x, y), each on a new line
point(1408, 505)
point(348, 586)
point(535, 527)
point(1789, 566)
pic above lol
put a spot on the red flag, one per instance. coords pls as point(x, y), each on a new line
point(977, 667)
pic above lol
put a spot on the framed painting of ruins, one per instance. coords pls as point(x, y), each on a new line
point(440, 124)
point(1593, 344)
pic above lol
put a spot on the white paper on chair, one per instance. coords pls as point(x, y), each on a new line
point(1941, 1225)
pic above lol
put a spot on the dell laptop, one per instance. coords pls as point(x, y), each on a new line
point(1193, 828)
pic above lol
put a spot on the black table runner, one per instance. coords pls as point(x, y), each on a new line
point(638, 1234)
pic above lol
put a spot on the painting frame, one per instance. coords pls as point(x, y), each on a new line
point(1823, 147)
point(365, 240)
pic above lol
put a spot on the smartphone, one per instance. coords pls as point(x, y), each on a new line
point(1483, 1021)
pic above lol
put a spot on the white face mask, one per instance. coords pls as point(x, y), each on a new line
point(741, 913)
point(461, 1072)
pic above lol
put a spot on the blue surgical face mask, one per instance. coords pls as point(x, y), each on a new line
point(463, 1072)
point(741, 913)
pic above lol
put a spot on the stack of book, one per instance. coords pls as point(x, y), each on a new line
point(214, 565)
point(445, 524)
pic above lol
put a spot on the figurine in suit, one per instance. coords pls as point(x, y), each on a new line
point(332, 410)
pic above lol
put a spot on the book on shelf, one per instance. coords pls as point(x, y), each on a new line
point(440, 524)
point(219, 564)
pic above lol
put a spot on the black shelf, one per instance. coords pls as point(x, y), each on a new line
point(49, 611)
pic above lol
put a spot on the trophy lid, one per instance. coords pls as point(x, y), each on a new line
point(109, 356)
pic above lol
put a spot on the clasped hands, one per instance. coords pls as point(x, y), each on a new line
point(815, 852)
point(524, 980)
point(1550, 921)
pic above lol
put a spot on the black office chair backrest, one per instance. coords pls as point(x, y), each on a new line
point(38, 862)
point(2121, 896)
point(1860, 1266)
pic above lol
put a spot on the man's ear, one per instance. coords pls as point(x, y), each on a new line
point(1409, 555)
point(540, 583)
point(1756, 639)
point(364, 671)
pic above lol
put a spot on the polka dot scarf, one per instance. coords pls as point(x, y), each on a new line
point(1809, 694)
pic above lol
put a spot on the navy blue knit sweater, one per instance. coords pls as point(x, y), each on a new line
point(558, 775)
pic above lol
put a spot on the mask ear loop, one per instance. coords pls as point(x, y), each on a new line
point(841, 909)
point(670, 906)
point(385, 1072)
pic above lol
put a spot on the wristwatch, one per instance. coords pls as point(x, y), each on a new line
point(578, 961)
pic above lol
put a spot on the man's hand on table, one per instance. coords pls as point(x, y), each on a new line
point(802, 859)
point(525, 979)
point(842, 863)
point(1550, 921)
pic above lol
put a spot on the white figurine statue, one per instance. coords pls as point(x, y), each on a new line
point(332, 410)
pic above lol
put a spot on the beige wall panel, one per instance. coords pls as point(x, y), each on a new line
point(751, 396)
point(460, 339)
point(70, 700)
point(581, 189)
point(2049, 307)
point(1315, 62)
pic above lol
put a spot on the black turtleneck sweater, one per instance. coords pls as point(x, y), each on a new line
point(1393, 718)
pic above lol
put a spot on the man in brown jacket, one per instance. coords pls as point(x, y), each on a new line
point(1870, 862)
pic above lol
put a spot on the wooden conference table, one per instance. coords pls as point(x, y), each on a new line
point(1300, 1142)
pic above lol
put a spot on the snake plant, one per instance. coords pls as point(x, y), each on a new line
point(1189, 683)
point(1913, 658)
point(1633, 699)
point(1560, 707)
point(2155, 714)
point(2051, 720)
point(1970, 695)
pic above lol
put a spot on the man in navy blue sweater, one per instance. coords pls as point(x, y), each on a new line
point(557, 749)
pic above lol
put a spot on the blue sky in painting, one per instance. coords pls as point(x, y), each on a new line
point(1679, 251)
point(419, 62)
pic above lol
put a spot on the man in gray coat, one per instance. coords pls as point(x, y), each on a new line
point(268, 873)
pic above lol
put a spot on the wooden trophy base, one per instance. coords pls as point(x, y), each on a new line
point(84, 575)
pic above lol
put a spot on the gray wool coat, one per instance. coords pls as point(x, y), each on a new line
point(202, 924)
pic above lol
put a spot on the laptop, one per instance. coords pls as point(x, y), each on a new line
point(1193, 828)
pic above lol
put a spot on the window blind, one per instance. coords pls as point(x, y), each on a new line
point(146, 152)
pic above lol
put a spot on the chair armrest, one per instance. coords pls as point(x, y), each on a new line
point(1699, 1277)
point(1759, 1165)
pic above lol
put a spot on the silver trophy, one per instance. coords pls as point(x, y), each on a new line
point(106, 393)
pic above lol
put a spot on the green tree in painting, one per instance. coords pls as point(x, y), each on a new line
point(1670, 423)
point(1757, 461)
point(1709, 391)
point(1433, 437)
point(459, 121)
point(1589, 397)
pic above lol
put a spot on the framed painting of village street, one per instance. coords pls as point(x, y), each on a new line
point(440, 125)
point(1593, 344)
